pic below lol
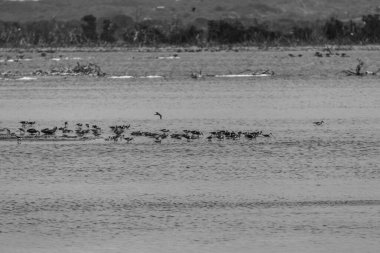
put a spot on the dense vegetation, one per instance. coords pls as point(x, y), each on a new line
point(122, 30)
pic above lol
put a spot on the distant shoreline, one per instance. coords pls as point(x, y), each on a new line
point(171, 63)
point(191, 49)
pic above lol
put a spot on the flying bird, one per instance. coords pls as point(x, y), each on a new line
point(159, 114)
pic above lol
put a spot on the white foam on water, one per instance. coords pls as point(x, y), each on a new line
point(26, 78)
point(168, 57)
point(151, 77)
point(121, 77)
point(244, 75)
point(131, 77)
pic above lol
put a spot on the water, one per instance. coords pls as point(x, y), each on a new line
point(307, 189)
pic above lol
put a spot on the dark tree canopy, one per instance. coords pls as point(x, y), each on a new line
point(89, 27)
point(123, 30)
point(108, 31)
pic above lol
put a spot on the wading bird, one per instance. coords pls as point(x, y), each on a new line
point(5, 131)
point(48, 131)
point(19, 139)
point(318, 123)
point(33, 131)
point(128, 139)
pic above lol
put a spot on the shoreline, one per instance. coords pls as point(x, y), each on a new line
point(170, 63)
point(192, 49)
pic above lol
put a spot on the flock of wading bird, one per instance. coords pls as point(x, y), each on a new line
point(27, 131)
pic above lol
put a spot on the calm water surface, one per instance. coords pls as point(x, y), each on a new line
point(306, 189)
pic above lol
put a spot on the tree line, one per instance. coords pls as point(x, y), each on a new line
point(122, 30)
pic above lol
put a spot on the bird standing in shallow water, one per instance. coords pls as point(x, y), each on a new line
point(267, 135)
point(158, 114)
point(318, 123)
point(128, 139)
point(22, 131)
point(48, 131)
point(33, 131)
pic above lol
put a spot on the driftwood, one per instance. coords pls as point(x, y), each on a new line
point(359, 70)
point(89, 69)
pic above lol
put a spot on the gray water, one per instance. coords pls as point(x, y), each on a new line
point(306, 189)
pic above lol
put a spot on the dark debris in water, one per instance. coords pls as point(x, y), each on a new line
point(360, 70)
point(90, 69)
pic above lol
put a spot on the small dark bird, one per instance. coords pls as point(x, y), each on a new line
point(5, 131)
point(65, 130)
point(318, 123)
point(118, 131)
point(158, 114)
point(33, 131)
point(220, 137)
point(250, 136)
point(48, 131)
point(115, 138)
point(22, 130)
point(128, 139)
